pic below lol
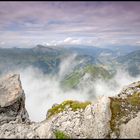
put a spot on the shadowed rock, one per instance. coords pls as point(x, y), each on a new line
point(12, 100)
point(14, 119)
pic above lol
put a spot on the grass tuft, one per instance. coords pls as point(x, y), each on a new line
point(61, 135)
point(74, 105)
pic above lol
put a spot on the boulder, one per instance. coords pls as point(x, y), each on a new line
point(10, 90)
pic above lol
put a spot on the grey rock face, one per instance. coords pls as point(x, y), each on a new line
point(93, 122)
point(129, 90)
point(14, 119)
point(96, 119)
point(12, 100)
point(44, 130)
point(131, 129)
point(10, 90)
point(125, 110)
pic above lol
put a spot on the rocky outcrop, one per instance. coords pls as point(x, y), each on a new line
point(125, 108)
point(14, 119)
point(87, 123)
point(129, 90)
point(108, 117)
point(131, 129)
point(12, 100)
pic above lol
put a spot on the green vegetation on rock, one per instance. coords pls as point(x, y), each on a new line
point(122, 108)
point(61, 135)
point(134, 99)
point(74, 105)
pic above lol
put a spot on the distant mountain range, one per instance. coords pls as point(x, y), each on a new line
point(123, 50)
point(48, 58)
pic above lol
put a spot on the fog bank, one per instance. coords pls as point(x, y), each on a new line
point(43, 90)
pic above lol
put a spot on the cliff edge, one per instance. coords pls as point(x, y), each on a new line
point(108, 117)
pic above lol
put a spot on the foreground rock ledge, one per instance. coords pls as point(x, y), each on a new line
point(109, 117)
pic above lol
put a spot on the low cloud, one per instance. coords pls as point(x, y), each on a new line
point(70, 40)
point(44, 90)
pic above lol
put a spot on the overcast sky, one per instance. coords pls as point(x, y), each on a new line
point(94, 23)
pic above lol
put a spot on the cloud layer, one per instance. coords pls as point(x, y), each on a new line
point(97, 23)
point(42, 90)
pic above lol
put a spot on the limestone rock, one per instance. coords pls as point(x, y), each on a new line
point(44, 130)
point(10, 90)
point(93, 122)
point(129, 90)
point(96, 119)
point(125, 107)
point(12, 100)
point(14, 119)
point(131, 129)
